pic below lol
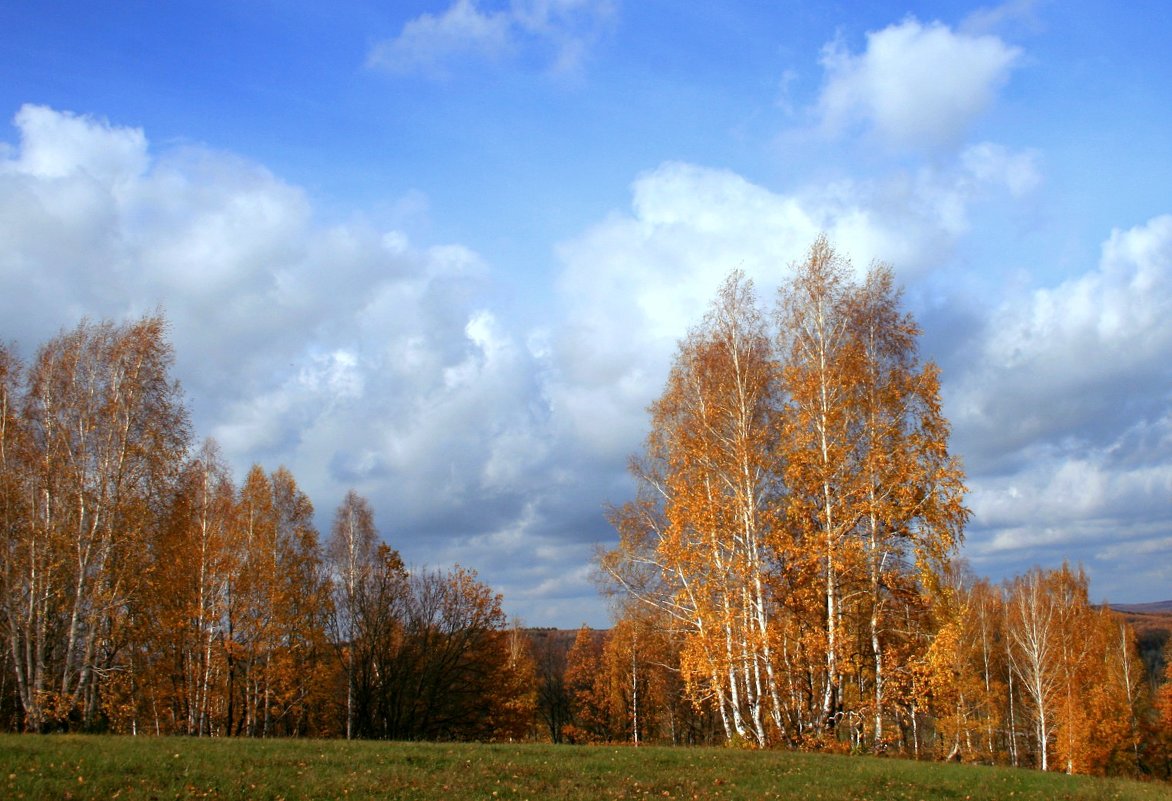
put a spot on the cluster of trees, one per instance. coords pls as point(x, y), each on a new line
point(142, 590)
point(620, 685)
point(797, 504)
point(784, 577)
point(1028, 673)
point(1032, 674)
point(793, 539)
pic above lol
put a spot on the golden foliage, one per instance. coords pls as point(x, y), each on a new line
point(797, 506)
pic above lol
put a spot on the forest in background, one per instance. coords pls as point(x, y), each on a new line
point(786, 577)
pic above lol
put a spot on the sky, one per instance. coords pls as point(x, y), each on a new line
point(442, 252)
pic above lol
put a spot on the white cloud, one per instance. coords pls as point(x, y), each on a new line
point(1021, 14)
point(1103, 507)
point(567, 28)
point(1060, 411)
point(349, 354)
point(915, 85)
point(429, 42)
point(1084, 358)
point(634, 283)
point(359, 358)
point(1063, 419)
point(1068, 495)
point(992, 164)
point(62, 145)
point(434, 45)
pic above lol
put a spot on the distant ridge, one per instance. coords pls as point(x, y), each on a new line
point(1155, 608)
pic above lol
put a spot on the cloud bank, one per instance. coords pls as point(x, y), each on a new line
point(359, 358)
point(1065, 414)
point(344, 352)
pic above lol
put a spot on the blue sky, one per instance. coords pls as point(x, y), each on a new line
point(442, 251)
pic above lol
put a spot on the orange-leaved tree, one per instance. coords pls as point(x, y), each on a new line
point(694, 545)
point(825, 485)
point(179, 628)
point(590, 710)
point(277, 612)
point(95, 442)
point(797, 507)
point(912, 513)
point(1078, 670)
point(873, 498)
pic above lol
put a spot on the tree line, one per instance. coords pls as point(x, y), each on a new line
point(143, 590)
point(792, 546)
point(785, 577)
point(1028, 673)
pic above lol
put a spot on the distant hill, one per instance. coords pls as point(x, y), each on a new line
point(1156, 608)
point(1152, 623)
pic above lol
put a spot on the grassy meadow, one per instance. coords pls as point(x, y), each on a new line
point(93, 767)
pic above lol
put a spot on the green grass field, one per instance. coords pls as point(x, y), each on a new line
point(81, 767)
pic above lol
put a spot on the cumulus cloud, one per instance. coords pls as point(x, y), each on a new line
point(55, 145)
point(361, 359)
point(634, 283)
point(914, 85)
point(349, 354)
point(561, 31)
point(1063, 416)
point(1059, 404)
point(1084, 358)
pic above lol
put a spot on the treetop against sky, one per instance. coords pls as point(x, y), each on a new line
point(442, 252)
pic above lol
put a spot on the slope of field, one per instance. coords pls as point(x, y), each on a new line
point(1152, 624)
point(1156, 608)
point(130, 769)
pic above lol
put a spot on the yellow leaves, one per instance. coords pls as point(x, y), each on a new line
point(92, 431)
point(1164, 695)
point(943, 658)
point(797, 478)
point(1070, 661)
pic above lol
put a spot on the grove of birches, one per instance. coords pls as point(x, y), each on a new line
point(786, 576)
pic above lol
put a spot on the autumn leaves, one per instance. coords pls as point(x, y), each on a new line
point(798, 501)
point(142, 590)
point(785, 573)
point(797, 515)
point(89, 441)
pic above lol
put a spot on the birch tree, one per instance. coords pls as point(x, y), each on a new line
point(210, 493)
point(106, 430)
point(352, 558)
point(180, 618)
point(912, 487)
point(278, 611)
point(298, 669)
point(694, 545)
point(1034, 646)
point(24, 561)
point(826, 490)
point(797, 504)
